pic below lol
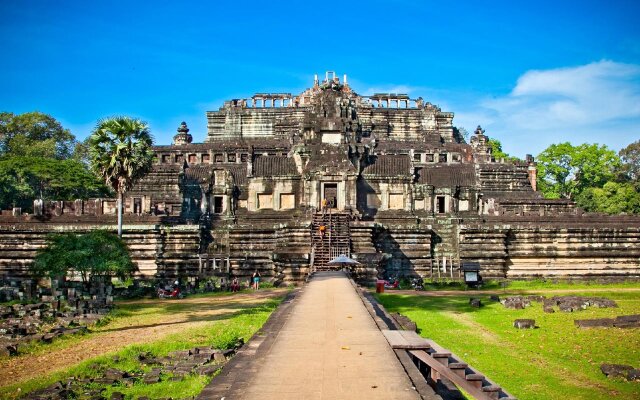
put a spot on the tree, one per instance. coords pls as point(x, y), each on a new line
point(497, 152)
point(612, 198)
point(630, 169)
point(23, 179)
point(34, 134)
point(120, 153)
point(95, 254)
point(564, 171)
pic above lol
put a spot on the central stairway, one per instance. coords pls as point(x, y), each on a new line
point(336, 239)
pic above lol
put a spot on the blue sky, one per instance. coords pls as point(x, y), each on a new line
point(531, 73)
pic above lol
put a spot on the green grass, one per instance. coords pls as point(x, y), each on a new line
point(223, 332)
point(555, 361)
point(523, 285)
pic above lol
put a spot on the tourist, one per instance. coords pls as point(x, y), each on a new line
point(321, 230)
point(235, 285)
point(255, 278)
point(324, 206)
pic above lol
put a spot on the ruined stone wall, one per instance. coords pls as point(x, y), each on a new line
point(560, 246)
point(407, 249)
point(239, 122)
point(154, 248)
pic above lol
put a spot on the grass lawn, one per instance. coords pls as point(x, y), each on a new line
point(556, 361)
point(155, 326)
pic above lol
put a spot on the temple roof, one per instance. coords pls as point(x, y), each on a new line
point(274, 166)
point(448, 175)
point(389, 165)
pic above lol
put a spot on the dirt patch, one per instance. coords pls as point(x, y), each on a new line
point(128, 331)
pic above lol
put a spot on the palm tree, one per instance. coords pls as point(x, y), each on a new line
point(120, 153)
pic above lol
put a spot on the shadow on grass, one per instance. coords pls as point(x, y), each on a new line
point(194, 316)
point(459, 303)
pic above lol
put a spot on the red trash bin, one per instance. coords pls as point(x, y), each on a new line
point(379, 286)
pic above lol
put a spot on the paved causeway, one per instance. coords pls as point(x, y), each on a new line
point(329, 348)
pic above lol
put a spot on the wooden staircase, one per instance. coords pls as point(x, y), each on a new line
point(335, 241)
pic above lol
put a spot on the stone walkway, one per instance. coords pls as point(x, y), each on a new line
point(329, 348)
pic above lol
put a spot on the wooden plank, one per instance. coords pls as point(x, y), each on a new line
point(405, 340)
point(459, 381)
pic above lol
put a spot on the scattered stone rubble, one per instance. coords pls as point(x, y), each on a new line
point(175, 366)
point(620, 371)
point(21, 323)
point(564, 303)
point(622, 321)
point(577, 303)
point(519, 302)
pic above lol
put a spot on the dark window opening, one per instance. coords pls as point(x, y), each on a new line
point(419, 172)
point(331, 194)
point(179, 158)
point(417, 157)
point(244, 157)
point(440, 205)
point(192, 159)
point(428, 157)
point(137, 205)
point(231, 158)
point(166, 158)
point(217, 204)
point(442, 157)
point(218, 158)
point(205, 158)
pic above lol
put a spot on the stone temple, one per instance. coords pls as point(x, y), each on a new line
point(405, 195)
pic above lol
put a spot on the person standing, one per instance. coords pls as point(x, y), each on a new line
point(235, 285)
point(256, 280)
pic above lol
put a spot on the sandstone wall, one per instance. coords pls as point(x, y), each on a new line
point(154, 248)
point(564, 247)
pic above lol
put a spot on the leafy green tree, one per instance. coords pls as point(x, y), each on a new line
point(34, 134)
point(630, 169)
point(564, 171)
point(497, 153)
point(612, 198)
point(120, 153)
point(95, 254)
point(23, 179)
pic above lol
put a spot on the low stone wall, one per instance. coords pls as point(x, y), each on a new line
point(564, 248)
point(154, 248)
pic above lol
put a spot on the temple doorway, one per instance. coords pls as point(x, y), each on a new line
point(137, 205)
point(331, 194)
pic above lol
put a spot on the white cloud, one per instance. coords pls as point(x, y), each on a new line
point(594, 103)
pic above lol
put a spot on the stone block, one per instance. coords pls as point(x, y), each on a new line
point(593, 323)
point(615, 370)
point(524, 323)
point(180, 354)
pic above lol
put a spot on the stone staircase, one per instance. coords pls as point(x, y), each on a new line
point(445, 245)
point(363, 251)
point(291, 255)
point(335, 241)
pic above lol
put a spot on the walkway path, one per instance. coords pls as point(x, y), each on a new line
point(329, 348)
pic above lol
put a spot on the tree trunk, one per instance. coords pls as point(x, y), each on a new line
point(120, 201)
